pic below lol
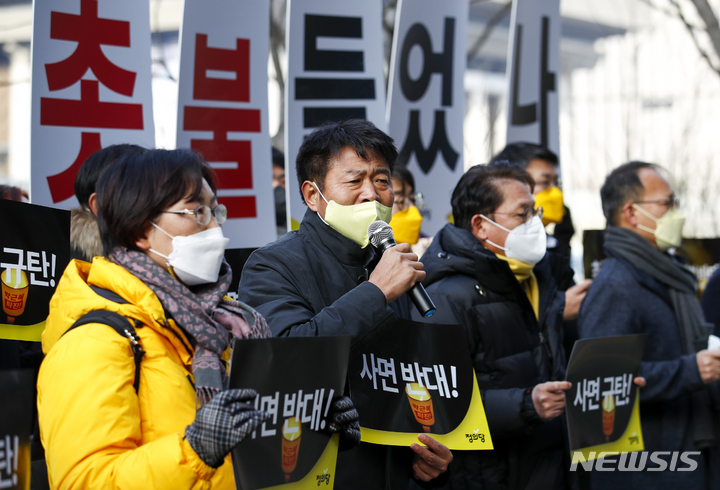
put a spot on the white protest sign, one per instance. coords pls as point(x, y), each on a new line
point(223, 109)
point(90, 88)
point(335, 72)
point(427, 100)
point(534, 63)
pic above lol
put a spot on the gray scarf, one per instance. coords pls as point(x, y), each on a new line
point(679, 283)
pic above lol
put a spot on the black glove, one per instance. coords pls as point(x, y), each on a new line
point(345, 420)
point(222, 423)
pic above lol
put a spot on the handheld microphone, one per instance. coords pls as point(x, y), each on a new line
point(381, 236)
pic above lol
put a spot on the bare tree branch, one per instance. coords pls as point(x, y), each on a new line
point(693, 34)
point(485, 35)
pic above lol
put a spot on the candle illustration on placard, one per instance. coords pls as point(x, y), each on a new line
point(608, 416)
point(421, 404)
point(291, 432)
point(14, 292)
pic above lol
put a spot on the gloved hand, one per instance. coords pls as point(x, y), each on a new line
point(222, 423)
point(344, 418)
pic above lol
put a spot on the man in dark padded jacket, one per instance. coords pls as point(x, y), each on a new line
point(324, 279)
point(491, 273)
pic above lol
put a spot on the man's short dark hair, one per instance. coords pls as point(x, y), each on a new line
point(90, 171)
point(478, 191)
point(622, 186)
point(138, 187)
point(523, 153)
point(406, 177)
point(327, 142)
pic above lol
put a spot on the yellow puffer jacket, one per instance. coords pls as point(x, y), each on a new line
point(97, 432)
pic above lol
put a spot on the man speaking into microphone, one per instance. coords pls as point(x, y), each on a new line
point(324, 279)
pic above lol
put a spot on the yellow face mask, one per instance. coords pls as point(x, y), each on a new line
point(551, 201)
point(406, 225)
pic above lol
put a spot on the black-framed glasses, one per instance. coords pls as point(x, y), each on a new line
point(673, 202)
point(203, 213)
point(527, 215)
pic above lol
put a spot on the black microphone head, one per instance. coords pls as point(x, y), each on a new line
point(380, 232)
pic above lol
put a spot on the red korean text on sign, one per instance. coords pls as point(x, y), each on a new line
point(89, 32)
point(236, 88)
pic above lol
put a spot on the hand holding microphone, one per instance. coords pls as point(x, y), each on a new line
point(398, 271)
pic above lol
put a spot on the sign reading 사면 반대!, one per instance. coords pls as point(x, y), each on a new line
point(34, 251)
point(415, 378)
point(297, 380)
point(603, 406)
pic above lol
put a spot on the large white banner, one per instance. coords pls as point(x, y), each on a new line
point(427, 100)
point(90, 88)
point(223, 109)
point(335, 72)
point(534, 66)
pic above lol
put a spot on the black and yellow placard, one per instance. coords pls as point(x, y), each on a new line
point(415, 378)
point(296, 380)
point(34, 251)
point(603, 405)
point(17, 390)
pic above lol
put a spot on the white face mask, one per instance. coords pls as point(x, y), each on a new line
point(353, 221)
point(668, 228)
point(196, 259)
point(526, 243)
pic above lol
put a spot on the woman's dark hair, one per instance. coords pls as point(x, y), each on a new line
point(327, 141)
point(478, 192)
point(622, 186)
point(133, 192)
point(90, 171)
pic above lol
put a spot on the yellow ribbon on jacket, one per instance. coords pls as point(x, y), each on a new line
point(406, 225)
point(525, 276)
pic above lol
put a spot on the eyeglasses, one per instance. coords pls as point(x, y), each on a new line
point(527, 215)
point(673, 202)
point(203, 213)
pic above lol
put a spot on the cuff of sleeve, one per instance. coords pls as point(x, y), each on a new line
point(527, 411)
point(202, 470)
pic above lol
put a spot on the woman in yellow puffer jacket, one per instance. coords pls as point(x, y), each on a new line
point(158, 219)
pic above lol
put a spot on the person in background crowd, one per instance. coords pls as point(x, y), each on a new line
point(324, 279)
point(13, 193)
point(710, 301)
point(278, 167)
point(641, 289)
point(542, 165)
point(107, 420)
point(406, 218)
point(84, 235)
point(490, 272)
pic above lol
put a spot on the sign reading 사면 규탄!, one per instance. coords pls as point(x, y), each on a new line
point(34, 251)
point(603, 405)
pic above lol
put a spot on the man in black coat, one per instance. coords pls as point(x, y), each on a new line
point(491, 273)
point(324, 279)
